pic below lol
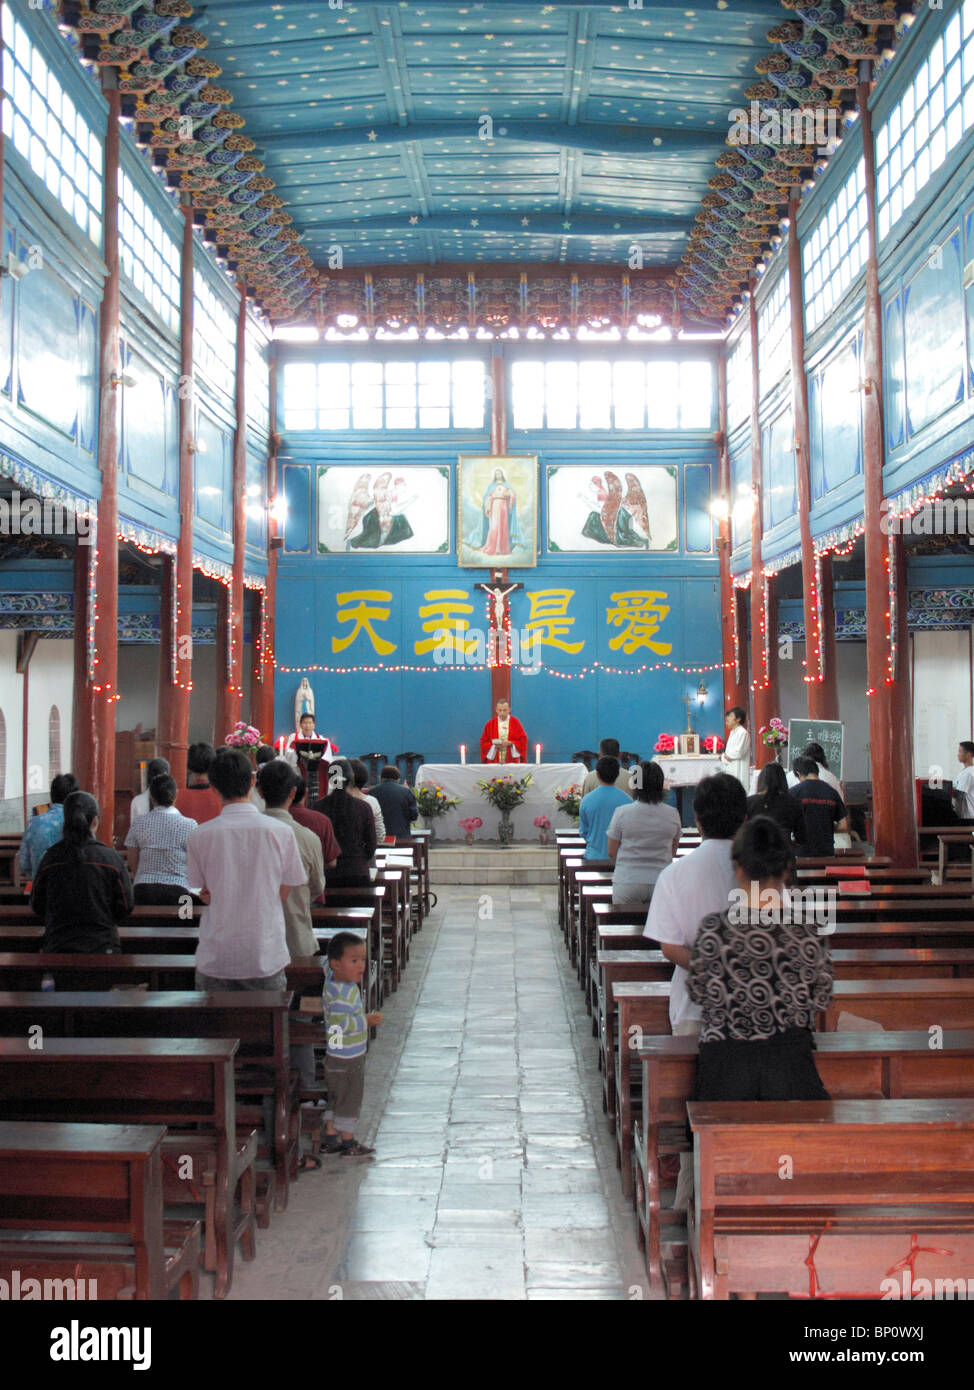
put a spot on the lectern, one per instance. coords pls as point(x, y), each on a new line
point(310, 752)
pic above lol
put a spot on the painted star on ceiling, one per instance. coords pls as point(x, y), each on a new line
point(372, 135)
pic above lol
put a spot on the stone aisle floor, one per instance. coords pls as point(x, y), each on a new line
point(495, 1174)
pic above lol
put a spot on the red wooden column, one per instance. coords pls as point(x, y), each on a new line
point(735, 679)
point(764, 640)
point(887, 651)
point(228, 709)
point(105, 679)
point(820, 673)
point(498, 405)
point(83, 713)
point(176, 626)
point(262, 688)
point(829, 687)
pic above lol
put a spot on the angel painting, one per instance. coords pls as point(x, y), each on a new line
point(366, 511)
point(609, 512)
point(385, 521)
point(615, 519)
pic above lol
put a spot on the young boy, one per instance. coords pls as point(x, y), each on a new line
point(347, 1027)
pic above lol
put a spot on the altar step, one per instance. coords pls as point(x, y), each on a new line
point(489, 863)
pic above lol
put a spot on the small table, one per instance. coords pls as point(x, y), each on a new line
point(460, 779)
point(681, 770)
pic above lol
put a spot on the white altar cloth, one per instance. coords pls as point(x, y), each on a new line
point(460, 779)
point(683, 771)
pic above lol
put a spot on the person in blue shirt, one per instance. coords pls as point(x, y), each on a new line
point(597, 808)
point(41, 832)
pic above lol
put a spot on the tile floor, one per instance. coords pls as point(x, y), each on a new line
point(495, 1174)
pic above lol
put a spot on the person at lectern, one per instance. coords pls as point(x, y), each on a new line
point(305, 730)
point(503, 740)
point(736, 756)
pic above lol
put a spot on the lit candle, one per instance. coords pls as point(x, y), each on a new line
point(537, 752)
point(463, 753)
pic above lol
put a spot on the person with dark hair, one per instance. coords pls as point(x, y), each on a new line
point(760, 976)
point(245, 865)
point(82, 889)
point(773, 799)
point(397, 802)
point(642, 837)
point(597, 808)
point(155, 767)
point(157, 848)
point(963, 790)
point(360, 780)
point(736, 757)
point(354, 826)
point(313, 820)
point(198, 799)
point(43, 831)
point(823, 810)
point(608, 748)
point(817, 752)
point(278, 783)
point(347, 1030)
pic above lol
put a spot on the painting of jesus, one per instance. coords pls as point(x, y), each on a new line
point(497, 504)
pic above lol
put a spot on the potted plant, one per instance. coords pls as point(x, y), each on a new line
point(569, 799)
point(245, 736)
point(713, 744)
point(544, 825)
point(666, 743)
point(469, 824)
point(774, 735)
point(505, 793)
point(433, 802)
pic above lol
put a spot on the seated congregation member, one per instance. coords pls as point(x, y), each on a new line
point(156, 767)
point(157, 848)
point(642, 837)
point(354, 826)
point(360, 779)
point(346, 1028)
point(608, 748)
point(246, 865)
point(198, 799)
point(82, 889)
point(314, 820)
point(597, 808)
point(773, 799)
point(41, 832)
point(397, 802)
point(823, 810)
point(760, 979)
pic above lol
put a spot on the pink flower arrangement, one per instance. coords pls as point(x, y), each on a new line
point(773, 735)
point(470, 824)
point(666, 743)
point(542, 822)
point(244, 736)
point(713, 744)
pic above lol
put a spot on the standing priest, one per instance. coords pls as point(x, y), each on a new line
point(503, 730)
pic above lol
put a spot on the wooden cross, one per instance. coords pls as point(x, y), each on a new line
point(499, 588)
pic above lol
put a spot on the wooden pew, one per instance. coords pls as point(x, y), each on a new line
point(870, 1182)
point(22, 970)
point(853, 1066)
point(85, 1201)
point(903, 1005)
point(259, 1019)
point(185, 1085)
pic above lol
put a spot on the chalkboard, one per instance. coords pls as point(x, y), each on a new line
point(830, 733)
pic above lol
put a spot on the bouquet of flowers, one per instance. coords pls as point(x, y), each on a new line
point(542, 822)
point(666, 743)
point(569, 800)
point(433, 801)
point(712, 744)
point(773, 735)
point(244, 736)
point(470, 823)
point(505, 792)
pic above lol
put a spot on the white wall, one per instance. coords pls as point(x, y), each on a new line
point(851, 664)
point(942, 711)
point(51, 683)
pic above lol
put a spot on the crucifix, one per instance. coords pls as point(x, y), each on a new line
point(498, 591)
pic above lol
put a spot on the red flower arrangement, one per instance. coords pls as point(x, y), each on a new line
point(713, 744)
point(666, 743)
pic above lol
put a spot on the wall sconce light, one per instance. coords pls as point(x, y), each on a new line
point(118, 379)
point(13, 266)
point(196, 446)
point(702, 693)
point(720, 508)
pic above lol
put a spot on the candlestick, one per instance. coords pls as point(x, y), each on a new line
point(537, 752)
point(463, 754)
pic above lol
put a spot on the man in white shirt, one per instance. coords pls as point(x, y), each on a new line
point(688, 890)
point(964, 782)
point(246, 864)
point(156, 767)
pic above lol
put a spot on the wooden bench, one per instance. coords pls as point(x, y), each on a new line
point(259, 1019)
point(186, 1085)
point(853, 1066)
point(903, 1005)
point(869, 1184)
point(85, 1201)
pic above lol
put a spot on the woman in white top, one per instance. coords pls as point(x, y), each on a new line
point(642, 838)
point(360, 774)
point(736, 756)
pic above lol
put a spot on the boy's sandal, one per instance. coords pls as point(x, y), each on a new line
point(355, 1150)
point(307, 1163)
point(331, 1144)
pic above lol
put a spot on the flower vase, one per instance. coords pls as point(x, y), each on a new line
point(431, 822)
point(543, 837)
point(506, 829)
point(469, 837)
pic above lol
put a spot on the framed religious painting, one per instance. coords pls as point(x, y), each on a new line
point(598, 511)
point(371, 510)
point(497, 511)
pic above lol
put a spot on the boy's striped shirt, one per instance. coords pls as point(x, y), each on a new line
point(345, 1025)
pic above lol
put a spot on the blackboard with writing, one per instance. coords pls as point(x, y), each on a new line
point(830, 733)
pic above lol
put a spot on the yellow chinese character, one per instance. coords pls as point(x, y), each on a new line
point(365, 608)
point(549, 622)
point(640, 613)
point(446, 628)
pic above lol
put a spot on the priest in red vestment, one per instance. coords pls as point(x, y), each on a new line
point(503, 726)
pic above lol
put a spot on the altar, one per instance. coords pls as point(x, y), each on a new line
point(685, 770)
point(460, 779)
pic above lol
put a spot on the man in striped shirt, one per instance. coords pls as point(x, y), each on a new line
point(346, 1025)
